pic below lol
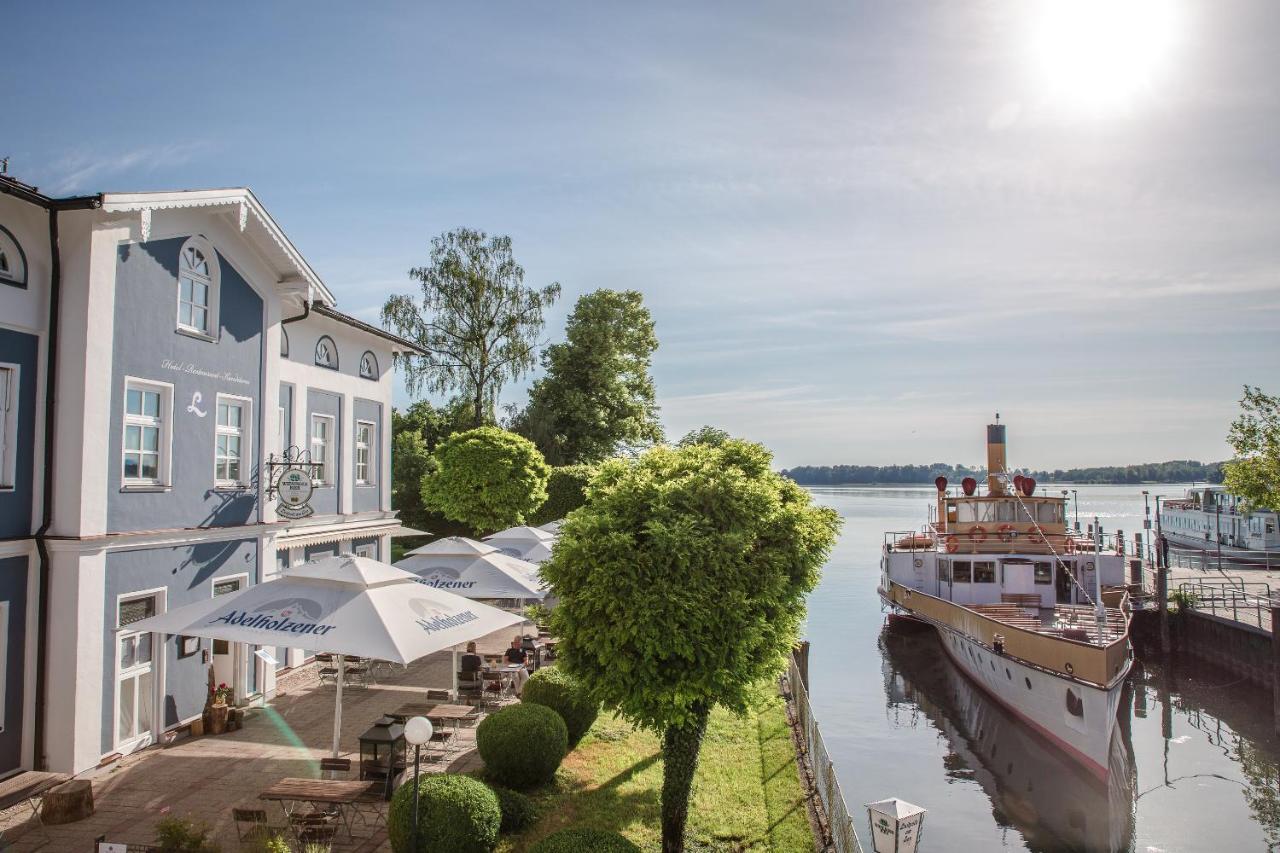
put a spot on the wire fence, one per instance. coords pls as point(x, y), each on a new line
point(844, 839)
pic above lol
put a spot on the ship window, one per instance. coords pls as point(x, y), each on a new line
point(1008, 674)
point(951, 512)
point(1044, 573)
point(986, 512)
point(960, 571)
point(984, 571)
point(944, 570)
point(1007, 511)
point(1028, 680)
point(1049, 513)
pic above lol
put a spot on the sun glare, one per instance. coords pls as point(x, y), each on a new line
point(1103, 55)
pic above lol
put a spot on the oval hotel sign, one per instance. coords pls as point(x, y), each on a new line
point(295, 488)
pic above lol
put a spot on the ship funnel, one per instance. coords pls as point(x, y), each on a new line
point(995, 459)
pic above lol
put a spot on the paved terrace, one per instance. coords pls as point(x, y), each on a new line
point(205, 777)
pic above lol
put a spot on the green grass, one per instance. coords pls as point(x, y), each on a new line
point(746, 795)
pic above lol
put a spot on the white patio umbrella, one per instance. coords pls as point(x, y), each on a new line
point(539, 553)
point(517, 541)
point(494, 575)
point(454, 546)
point(343, 605)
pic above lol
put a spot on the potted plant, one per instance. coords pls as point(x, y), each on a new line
point(219, 698)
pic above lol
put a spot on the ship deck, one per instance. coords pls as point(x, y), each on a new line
point(1069, 621)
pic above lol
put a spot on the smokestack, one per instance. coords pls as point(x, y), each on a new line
point(995, 459)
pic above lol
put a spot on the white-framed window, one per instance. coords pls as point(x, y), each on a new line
point(9, 374)
point(322, 449)
point(326, 353)
point(364, 453)
point(232, 437)
point(367, 549)
point(135, 667)
point(369, 365)
point(148, 412)
point(198, 278)
point(13, 261)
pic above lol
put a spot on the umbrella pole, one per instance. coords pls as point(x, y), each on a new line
point(337, 712)
point(455, 672)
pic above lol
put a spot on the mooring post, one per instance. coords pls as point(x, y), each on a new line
point(1162, 602)
point(1275, 666)
point(801, 653)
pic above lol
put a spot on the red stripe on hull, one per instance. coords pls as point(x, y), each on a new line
point(1101, 772)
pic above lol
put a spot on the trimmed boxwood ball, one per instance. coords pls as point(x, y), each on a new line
point(518, 811)
point(564, 694)
point(580, 840)
point(522, 745)
point(456, 814)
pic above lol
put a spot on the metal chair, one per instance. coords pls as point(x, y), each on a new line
point(252, 827)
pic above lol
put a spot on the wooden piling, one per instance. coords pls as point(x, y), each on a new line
point(1275, 666)
point(1162, 602)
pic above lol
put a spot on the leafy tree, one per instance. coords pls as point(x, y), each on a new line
point(412, 461)
point(476, 320)
point(704, 435)
point(1255, 437)
point(434, 423)
point(566, 491)
point(487, 478)
point(416, 433)
point(597, 394)
point(682, 582)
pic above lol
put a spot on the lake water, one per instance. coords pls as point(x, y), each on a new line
point(1195, 768)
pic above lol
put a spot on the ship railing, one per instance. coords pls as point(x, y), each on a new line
point(1210, 559)
point(839, 823)
point(1248, 602)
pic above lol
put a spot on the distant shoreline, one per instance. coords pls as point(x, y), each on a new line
point(1150, 473)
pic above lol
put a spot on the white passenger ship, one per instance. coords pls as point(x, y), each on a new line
point(1035, 614)
point(1210, 518)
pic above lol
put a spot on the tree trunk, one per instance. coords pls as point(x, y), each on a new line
point(680, 747)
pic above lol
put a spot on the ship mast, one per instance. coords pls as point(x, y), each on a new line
point(1099, 610)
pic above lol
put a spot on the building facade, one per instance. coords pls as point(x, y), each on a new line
point(191, 347)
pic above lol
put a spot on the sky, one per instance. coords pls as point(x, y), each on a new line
point(862, 228)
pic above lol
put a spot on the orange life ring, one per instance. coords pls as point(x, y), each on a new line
point(952, 545)
point(1070, 546)
point(1035, 537)
point(1006, 532)
point(978, 534)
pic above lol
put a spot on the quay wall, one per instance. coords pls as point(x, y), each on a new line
point(1243, 650)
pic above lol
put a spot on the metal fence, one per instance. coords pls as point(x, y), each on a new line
point(1244, 601)
point(844, 839)
point(1210, 559)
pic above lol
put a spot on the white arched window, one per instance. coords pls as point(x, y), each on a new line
point(13, 262)
point(326, 353)
point(198, 278)
point(369, 366)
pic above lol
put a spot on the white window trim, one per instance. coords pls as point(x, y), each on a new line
point(157, 673)
point(9, 428)
point(166, 432)
point(360, 367)
point(367, 549)
point(333, 352)
point(369, 463)
point(246, 439)
point(329, 460)
point(215, 288)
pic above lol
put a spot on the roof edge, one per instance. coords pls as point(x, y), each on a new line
point(334, 314)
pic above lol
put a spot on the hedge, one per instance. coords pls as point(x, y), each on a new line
point(522, 745)
point(518, 811)
point(580, 840)
point(456, 814)
point(564, 694)
point(566, 491)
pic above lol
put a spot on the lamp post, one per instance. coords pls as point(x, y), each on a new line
point(1075, 502)
point(417, 731)
point(1146, 521)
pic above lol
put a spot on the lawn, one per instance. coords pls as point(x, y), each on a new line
point(746, 795)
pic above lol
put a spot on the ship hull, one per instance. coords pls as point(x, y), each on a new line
point(1076, 717)
point(1200, 545)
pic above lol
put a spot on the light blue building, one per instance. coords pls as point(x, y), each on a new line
point(155, 350)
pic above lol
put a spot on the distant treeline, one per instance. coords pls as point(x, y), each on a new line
point(1176, 471)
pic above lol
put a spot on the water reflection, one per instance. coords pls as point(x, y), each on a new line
point(1052, 802)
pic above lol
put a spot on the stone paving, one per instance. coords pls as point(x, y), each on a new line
point(205, 777)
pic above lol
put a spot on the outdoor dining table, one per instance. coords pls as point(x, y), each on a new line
point(436, 713)
point(291, 791)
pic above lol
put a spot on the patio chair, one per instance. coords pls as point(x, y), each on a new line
point(436, 694)
point(252, 828)
point(334, 766)
point(314, 828)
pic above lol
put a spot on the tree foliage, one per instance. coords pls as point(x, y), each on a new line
point(597, 394)
point(566, 491)
point(1254, 474)
point(682, 582)
point(415, 434)
point(475, 319)
point(704, 435)
point(486, 478)
point(1176, 471)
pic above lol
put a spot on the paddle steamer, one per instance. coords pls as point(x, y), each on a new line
point(1035, 614)
point(1209, 518)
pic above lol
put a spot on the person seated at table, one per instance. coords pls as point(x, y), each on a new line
point(471, 662)
point(517, 655)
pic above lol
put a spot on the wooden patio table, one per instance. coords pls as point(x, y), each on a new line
point(330, 792)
